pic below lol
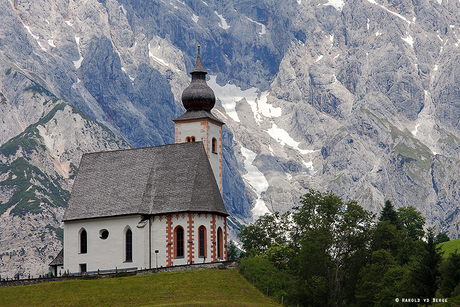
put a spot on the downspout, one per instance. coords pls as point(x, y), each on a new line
point(150, 242)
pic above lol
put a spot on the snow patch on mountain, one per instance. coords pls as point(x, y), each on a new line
point(195, 18)
point(256, 180)
point(260, 107)
point(414, 132)
point(337, 4)
point(264, 28)
point(124, 70)
point(161, 61)
point(230, 94)
point(283, 137)
point(424, 129)
point(223, 23)
point(408, 39)
point(391, 12)
point(77, 63)
point(37, 38)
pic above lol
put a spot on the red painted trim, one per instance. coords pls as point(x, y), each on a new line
point(213, 239)
point(169, 239)
point(190, 237)
point(177, 134)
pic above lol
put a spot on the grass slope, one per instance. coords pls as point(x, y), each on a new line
point(189, 288)
point(450, 247)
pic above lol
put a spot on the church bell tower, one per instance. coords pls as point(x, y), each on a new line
point(198, 123)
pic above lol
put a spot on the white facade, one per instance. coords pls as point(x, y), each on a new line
point(104, 254)
point(150, 249)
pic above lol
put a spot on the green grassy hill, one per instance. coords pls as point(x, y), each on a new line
point(450, 247)
point(189, 288)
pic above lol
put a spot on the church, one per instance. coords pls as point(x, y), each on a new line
point(152, 207)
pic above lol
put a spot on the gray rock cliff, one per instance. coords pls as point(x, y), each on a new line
point(360, 97)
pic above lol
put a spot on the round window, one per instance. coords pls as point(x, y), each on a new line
point(104, 234)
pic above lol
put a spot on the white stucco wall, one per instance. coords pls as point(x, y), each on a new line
point(104, 254)
point(216, 159)
point(158, 238)
point(109, 254)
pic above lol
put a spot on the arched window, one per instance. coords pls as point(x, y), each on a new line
point(214, 145)
point(83, 242)
point(179, 241)
point(129, 246)
point(219, 243)
point(187, 139)
point(202, 241)
point(192, 139)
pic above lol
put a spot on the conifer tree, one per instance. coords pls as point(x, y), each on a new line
point(426, 271)
point(389, 214)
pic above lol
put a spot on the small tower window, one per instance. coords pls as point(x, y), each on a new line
point(129, 246)
point(179, 240)
point(187, 139)
point(214, 145)
point(83, 242)
point(192, 139)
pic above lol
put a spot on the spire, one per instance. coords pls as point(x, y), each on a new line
point(198, 95)
point(198, 65)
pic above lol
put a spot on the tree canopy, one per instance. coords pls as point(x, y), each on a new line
point(326, 252)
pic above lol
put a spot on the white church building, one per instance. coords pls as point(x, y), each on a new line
point(152, 207)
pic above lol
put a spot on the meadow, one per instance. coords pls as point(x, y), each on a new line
point(211, 287)
point(450, 247)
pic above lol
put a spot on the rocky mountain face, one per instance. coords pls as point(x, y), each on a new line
point(47, 137)
point(360, 97)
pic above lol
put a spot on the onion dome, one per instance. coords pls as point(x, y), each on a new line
point(198, 95)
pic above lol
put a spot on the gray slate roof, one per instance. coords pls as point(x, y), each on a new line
point(197, 114)
point(154, 180)
point(59, 260)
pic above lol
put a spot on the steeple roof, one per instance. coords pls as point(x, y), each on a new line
point(198, 95)
point(198, 65)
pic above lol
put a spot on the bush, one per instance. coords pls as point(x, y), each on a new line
point(441, 238)
point(232, 251)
